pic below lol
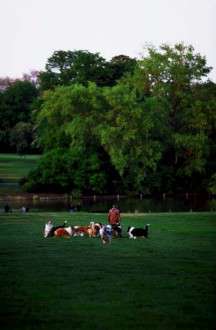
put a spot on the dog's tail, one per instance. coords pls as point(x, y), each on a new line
point(147, 229)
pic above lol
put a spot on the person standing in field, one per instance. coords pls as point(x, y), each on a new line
point(114, 219)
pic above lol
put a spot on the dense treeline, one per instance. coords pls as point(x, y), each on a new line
point(16, 125)
point(126, 125)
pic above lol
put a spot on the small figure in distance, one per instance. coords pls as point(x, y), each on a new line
point(71, 208)
point(23, 209)
point(114, 219)
point(7, 208)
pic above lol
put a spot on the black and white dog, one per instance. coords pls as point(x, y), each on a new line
point(117, 230)
point(138, 232)
point(106, 234)
point(50, 229)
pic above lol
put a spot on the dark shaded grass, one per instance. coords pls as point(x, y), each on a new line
point(165, 282)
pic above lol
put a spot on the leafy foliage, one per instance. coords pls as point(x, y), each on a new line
point(16, 105)
point(81, 66)
point(21, 137)
point(122, 125)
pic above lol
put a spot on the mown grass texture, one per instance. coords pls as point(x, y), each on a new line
point(13, 168)
point(164, 282)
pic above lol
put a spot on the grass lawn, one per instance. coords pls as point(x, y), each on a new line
point(165, 282)
point(13, 168)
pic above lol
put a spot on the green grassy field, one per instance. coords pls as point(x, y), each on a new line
point(165, 282)
point(13, 168)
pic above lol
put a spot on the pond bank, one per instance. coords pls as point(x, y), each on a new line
point(137, 204)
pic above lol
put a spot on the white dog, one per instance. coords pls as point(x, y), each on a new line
point(105, 233)
point(47, 229)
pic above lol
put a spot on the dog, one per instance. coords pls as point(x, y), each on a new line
point(65, 232)
point(88, 230)
point(138, 232)
point(95, 226)
point(105, 233)
point(91, 230)
point(50, 229)
point(81, 230)
point(117, 230)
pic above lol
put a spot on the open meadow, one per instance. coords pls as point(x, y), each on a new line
point(12, 168)
point(164, 282)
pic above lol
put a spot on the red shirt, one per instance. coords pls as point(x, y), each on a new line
point(113, 216)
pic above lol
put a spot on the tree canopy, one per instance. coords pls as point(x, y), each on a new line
point(81, 67)
point(122, 125)
point(16, 106)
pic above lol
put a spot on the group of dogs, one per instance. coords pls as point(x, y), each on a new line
point(94, 229)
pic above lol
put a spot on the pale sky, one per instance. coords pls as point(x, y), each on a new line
point(31, 30)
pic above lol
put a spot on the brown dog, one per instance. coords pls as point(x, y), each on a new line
point(92, 230)
point(63, 232)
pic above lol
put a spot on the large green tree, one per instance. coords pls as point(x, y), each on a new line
point(152, 130)
point(120, 66)
point(170, 74)
point(127, 134)
point(81, 67)
point(21, 137)
point(74, 159)
point(71, 67)
point(155, 129)
point(16, 105)
point(205, 96)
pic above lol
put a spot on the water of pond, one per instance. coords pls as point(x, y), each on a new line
point(132, 205)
